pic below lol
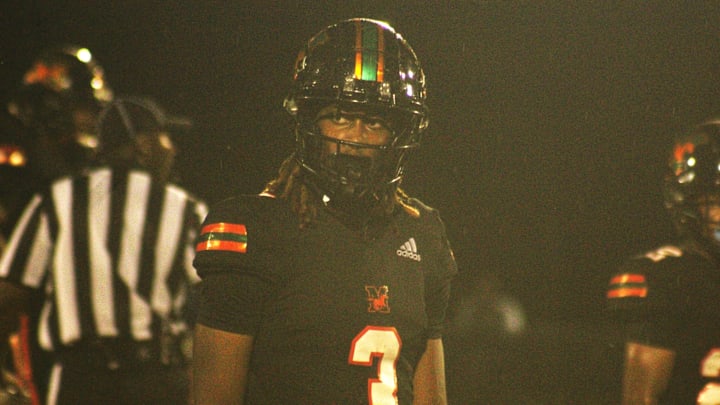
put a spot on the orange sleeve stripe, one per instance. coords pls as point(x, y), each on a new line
point(225, 245)
point(628, 278)
point(627, 292)
point(224, 227)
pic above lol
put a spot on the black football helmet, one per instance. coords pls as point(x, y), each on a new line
point(73, 72)
point(358, 65)
point(59, 98)
point(693, 183)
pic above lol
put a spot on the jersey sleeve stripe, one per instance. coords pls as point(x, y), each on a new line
point(627, 278)
point(217, 244)
point(224, 227)
point(623, 292)
point(627, 285)
point(223, 236)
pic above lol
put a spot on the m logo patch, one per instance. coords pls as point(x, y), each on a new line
point(378, 299)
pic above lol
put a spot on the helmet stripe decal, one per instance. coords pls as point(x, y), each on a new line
point(358, 50)
point(369, 53)
point(380, 55)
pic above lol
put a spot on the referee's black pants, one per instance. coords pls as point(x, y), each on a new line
point(86, 378)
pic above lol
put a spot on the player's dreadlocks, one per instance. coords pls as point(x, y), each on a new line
point(288, 185)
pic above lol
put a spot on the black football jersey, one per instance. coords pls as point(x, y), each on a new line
point(337, 318)
point(669, 298)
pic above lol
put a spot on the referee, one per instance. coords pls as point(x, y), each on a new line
point(111, 249)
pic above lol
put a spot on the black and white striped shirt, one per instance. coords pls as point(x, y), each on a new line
point(112, 250)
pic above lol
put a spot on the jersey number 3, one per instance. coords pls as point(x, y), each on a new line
point(383, 343)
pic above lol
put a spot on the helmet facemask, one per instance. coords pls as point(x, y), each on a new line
point(692, 188)
point(699, 219)
point(352, 172)
point(709, 209)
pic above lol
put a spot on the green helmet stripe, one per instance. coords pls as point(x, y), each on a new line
point(369, 44)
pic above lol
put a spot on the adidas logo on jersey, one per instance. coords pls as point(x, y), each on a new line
point(409, 250)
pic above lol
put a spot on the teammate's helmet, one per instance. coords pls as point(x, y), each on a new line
point(60, 96)
point(358, 64)
point(693, 182)
point(72, 72)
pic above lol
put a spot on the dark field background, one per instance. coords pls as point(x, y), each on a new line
point(550, 126)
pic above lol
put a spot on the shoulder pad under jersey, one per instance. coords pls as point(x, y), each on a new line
point(245, 233)
point(431, 225)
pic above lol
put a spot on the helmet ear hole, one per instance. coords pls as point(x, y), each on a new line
point(290, 106)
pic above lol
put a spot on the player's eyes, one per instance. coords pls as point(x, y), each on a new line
point(371, 122)
point(342, 118)
point(376, 123)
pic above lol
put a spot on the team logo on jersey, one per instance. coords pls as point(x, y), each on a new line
point(378, 299)
point(409, 250)
point(223, 236)
point(628, 285)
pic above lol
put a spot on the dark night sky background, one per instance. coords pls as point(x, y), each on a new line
point(549, 131)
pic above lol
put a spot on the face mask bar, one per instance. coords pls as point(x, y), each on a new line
point(345, 169)
point(334, 158)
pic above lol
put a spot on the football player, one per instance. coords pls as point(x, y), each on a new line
point(668, 297)
point(330, 286)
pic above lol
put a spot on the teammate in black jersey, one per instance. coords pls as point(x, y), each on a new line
point(668, 297)
point(330, 287)
point(110, 251)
